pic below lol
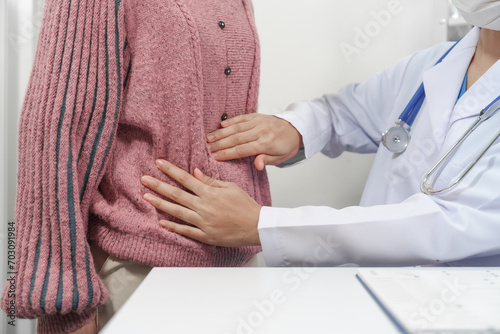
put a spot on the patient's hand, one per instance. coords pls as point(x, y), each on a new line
point(272, 139)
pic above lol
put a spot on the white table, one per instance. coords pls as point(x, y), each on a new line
point(251, 301)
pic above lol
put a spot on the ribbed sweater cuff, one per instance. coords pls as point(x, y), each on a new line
point(67, 323)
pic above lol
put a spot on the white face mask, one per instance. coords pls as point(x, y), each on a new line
point(480, 13)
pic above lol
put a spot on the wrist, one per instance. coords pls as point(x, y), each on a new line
point(255, 237)
point(293, 135)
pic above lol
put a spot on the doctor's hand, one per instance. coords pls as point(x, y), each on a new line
point(272, 139)
point(221, 213)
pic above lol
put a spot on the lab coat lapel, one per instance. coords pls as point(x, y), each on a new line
point(479, 95)
point(442, 84)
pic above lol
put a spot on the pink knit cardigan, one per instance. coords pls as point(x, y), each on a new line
point(115, 85)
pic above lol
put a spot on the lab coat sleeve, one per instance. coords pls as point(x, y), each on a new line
point(66, 130)
point(463, 223)
point(352, 120)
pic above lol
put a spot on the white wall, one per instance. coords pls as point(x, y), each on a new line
point(19, 23)
point(302, 59)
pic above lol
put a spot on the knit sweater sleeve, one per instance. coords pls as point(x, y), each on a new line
point(66, 131)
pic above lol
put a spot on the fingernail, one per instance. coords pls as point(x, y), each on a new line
point(160, 162)
point(163, 224)
point(210, 137)
point(148, 197)
point(215, 155)
point(145, 180)
point(223, 123)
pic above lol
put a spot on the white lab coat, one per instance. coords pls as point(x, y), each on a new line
point(396, 224)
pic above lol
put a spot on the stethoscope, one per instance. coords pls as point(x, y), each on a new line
point(428, 180)
point(396, 138)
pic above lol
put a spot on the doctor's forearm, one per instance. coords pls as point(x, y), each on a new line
point(414, 232)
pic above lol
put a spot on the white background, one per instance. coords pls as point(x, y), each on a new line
point(19, 22)
point(301, 59)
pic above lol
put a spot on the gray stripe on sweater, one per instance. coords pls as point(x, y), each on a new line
point(35, 267)
point(102, 122)
point(69, 176)
point(86, 91)
point(58, 304)
point(118, 81)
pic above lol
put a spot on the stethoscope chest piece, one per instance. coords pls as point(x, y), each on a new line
point(396, 138)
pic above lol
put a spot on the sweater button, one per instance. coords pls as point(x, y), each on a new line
point(227, 71)
point(222, 25)
point(224, 116)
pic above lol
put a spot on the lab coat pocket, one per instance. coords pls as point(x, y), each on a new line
point(448, 175)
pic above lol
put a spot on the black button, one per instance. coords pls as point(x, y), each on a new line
point(227, 70)
point(222, 25)
point(224, 116)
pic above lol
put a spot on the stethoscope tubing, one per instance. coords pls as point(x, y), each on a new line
point(413, 107)
point(405, 120)
point(485, 114)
